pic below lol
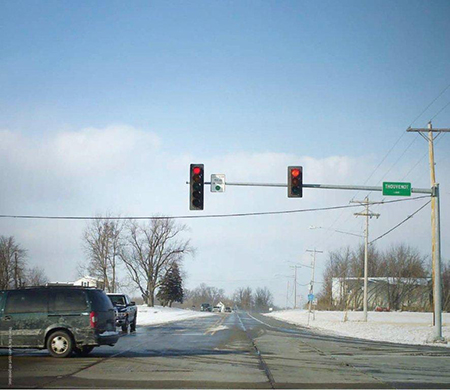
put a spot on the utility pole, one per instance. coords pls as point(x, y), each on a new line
point(287, 294)
point(435, 230)
point(368, 215)
point(295, 285)
point(16, 271)
point(311, 286)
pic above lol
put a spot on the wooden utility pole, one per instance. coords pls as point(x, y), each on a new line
point(16, 271)
point(368, 215)
point(295, 285)
point(287, 294)
point(435, 230)
point(311, 286)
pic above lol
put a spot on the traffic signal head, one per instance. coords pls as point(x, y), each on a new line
point(295, 182)
point(197, 185)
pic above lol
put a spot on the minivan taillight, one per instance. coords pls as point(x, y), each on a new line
point(93, 319)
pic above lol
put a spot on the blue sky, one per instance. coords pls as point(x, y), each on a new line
point(229, 83)
point(221, 71)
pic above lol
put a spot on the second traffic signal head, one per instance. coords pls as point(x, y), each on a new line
point(197, 185)
point(295, 182)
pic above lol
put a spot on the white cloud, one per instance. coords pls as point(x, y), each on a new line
point(77, 152)
point(93, 150)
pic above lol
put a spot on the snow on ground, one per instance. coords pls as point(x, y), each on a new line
point(395, 327)
point(160, 315)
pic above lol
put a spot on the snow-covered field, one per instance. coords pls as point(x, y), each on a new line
point(160, 315)
point(395, 327)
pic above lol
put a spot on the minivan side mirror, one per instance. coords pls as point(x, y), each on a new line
point(132, 303)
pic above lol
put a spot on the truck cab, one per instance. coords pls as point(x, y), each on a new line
point(126, 311)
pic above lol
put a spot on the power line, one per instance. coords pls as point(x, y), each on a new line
point(401, 223)
point(403, 133)
point(386, 233)
point(427, 107)
point(437, 139)
point(442, 109)
point(202, 216)
point(391, 149)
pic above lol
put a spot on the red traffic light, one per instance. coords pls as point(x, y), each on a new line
point(197, 184)
point(295, 182)
point(295, 172)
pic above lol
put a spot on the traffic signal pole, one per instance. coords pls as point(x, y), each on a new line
point(435, 230)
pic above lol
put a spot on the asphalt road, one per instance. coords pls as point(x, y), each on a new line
point(236, 350)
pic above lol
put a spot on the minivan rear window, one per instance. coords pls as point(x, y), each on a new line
point(100, 301)
point(68, 301)
point(26, 301)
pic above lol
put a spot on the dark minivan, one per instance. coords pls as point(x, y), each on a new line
point(61, 319)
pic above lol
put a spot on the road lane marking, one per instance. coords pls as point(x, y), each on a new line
point(270, 326)
point(263, 364)
point(242, 324)
point(216, 326)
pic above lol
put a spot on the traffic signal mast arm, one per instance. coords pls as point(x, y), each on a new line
point(325, 187)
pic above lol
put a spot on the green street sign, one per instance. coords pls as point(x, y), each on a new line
point(396, 189)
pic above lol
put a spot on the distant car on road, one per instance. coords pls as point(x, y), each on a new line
point(205, 307)
point(216, 309)
point(126, 311)
point(228, 309)
point(61, 319)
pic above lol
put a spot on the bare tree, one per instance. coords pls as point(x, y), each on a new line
point(263, 299)
point(36, 277)
point(12, 264)
point(446, 286)
point(404, 266)
point(243, 297)
point(337, 266)
point(397, 278)
point(150, 251)
point(102, 244)
point(205, 294)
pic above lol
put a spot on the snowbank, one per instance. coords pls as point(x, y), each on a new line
point(395, 327)
point(160, 315)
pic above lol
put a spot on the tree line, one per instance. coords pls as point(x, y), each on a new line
point(401, 279)
point(243, 297)
point(146, 256)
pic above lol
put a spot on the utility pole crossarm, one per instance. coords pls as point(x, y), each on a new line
point(420, 130)
point(370, 215)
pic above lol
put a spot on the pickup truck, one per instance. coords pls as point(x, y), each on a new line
point(126, 311)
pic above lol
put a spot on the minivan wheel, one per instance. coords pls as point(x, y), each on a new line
point(84, 350)
point(60, 344)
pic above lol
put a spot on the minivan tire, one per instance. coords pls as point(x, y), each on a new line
point(60, 344)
